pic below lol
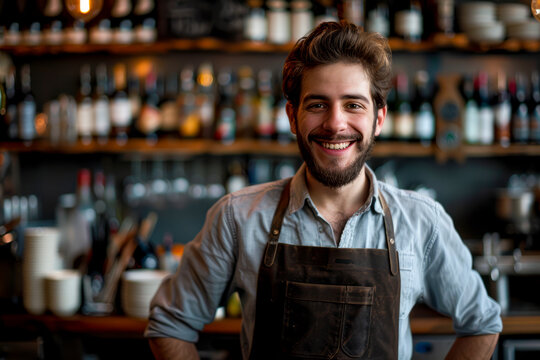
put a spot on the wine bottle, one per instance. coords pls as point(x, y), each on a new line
point(85, 107)
point(265, 105)
point(503, 111)
point(301, 18)
point(206, 99)
point(32, 20)
point(471, 112)
point(53, 22)
point(520, 111)
point(102, 120)
point(424, 118)
point(190, 120)
point(226, 115)
point(378, 18)
point(403, 118)
point(121, 115)
point(408, 21)
point(100, 28)
point(486, 116)
point(169, 106)
point(145, 21)
point(121, 21)
point(85, 216)
point(535, 108)
point(279, 22)
point(149, 119)
point(11, 16)
point(11, 117)
point(256, 24)
point(26, 107)
point(134, 94)
point(245, 103)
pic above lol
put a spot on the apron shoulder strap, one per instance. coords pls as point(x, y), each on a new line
point(390, 237)
point(275, 229)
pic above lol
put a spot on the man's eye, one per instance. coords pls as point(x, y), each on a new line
point(355, 106)
point(316, 106)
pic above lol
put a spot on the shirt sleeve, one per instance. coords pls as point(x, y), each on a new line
point(187, 300)
point(452, 286)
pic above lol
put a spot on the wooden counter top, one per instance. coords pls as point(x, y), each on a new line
point(123, 326)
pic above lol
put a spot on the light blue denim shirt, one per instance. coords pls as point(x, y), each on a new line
point(435, 265)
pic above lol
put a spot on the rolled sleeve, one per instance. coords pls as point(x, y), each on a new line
point(453, 287)
point(187, 300)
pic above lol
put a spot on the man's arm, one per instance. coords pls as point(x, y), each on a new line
point(478, 347)
point(170, 348)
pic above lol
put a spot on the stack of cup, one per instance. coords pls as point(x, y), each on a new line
point(40, 257)
point(138, 288)
point(63, 292)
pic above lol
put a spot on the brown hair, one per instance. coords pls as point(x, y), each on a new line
point(333, 42)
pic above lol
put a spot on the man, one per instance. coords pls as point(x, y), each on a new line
point(328, 264)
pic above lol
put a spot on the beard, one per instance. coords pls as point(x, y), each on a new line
point(332, 176)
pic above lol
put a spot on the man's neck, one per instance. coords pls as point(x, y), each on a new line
point(337, 205)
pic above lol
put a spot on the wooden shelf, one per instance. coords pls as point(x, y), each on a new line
point(459, 42)
point(122, 326)
point(195, 147)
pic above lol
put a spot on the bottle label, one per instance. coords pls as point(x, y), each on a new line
point(404, 125)
point(264, 117)
point(121, 112)
point(520, 124)
point(27, 112)
point(169, 116)
point(85, 119)
point(471, 123)
point(225, 129)
point(486, 125)
point(149, 120)
point(425, 125)
point(102, 121)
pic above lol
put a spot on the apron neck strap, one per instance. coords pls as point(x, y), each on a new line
point(390, 237)
point(275, 229)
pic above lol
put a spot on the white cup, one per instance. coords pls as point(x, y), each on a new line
point(63, 292)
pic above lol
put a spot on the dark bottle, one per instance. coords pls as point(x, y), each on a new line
point(149, 119)
point(11, 117)
point(424, 118)
point(52, 22)
point(31, 20)
point(190, 119)
point(226, 115)
point(102, 120)
point(27, 107)
point(85, 214)
point(122, 22)
point(265, 127)
point(403, 117)
point(520, 111)
point(486, 116)
point(471, 131)
point(169, 107)
point(121, 115)
point(535, 108)
point(11, 19)
point(134, 94)
point(100, 28)
point(245, 103)
point(85, 106)
point(145, 21)
point(503, 111)
point(408, 21)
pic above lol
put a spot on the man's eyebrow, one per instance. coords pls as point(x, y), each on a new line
point(343, 97)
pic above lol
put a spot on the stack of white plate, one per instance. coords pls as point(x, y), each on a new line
point(40, 257)
point(512, 13)
point(138, 289)
point(526, 30)
point(478, 20)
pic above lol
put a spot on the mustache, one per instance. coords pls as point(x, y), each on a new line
point(325, 136)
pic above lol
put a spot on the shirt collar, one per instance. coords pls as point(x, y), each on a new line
point(300, 193)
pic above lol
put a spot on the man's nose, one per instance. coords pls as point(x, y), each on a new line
point(336, 121)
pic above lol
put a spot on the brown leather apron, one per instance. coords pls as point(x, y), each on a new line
point(326, 303)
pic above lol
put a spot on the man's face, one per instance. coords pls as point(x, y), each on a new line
point(334, 123)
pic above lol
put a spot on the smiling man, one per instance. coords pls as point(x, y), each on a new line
point(329, 263)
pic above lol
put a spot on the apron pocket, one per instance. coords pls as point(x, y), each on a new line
point(318, 318)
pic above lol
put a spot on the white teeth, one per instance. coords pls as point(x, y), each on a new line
point(339, 146)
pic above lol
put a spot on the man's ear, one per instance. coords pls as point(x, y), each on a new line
point(381, 115)
point(292, 116)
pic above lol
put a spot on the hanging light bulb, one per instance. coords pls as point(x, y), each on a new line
point(535, 8)
point(84, 10)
